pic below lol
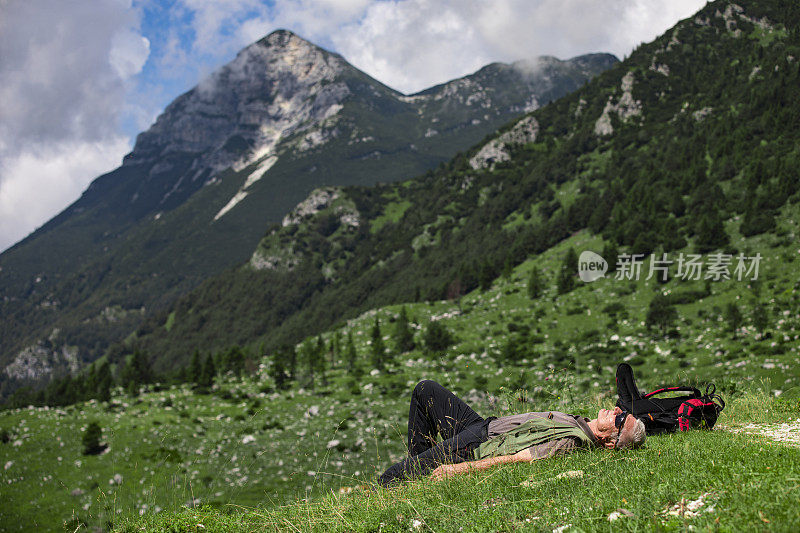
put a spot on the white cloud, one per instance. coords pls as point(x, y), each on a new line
point(41, 181)
point(413, 44)
point(128, 53)
point(62, 93)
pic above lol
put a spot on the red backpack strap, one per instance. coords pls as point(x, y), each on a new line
point(694, 391)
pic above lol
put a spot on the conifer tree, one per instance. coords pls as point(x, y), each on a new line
point(233, 360)
point(403, 336)
point(760, 318)
point(734, 317)
point(208, 374)
point(195, 367)
point(437, 338)
point(91, 439)
point(486, 276)
point(90, 383)
point(277, 370)
point(336, 348)
point(320, 360)
point(290, 356)
point(661, 313)
point(508, 268)
point(611, 255)
point(568, 271)
point(137, 372)
point(711, 233)
point(353, 368)
point(377, 347)
point(536, 284)
point(307, 356)
point(104, 382)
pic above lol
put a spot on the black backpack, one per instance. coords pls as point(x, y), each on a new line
point(662, 415)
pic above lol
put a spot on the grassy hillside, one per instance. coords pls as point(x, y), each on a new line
point(248, 445)
point(701, 480)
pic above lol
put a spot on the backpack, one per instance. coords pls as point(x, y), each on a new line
point(668, 414)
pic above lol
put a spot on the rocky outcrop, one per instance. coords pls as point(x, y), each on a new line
point(496, 150)
point(625, 107)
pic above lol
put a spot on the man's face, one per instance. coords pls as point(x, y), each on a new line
point(606, 428)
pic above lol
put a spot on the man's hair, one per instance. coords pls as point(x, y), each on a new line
point(633, 438)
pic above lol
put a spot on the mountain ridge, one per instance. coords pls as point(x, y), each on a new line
point(184, 206)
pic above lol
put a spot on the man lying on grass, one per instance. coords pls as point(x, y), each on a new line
point(471, 443)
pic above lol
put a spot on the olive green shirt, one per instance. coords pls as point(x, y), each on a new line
point(504, 424)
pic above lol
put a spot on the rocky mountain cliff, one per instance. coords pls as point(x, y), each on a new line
point(223, 162)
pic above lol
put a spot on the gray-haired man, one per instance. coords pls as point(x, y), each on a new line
point(471, 443)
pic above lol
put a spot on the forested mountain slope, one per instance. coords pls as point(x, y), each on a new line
point(693, 130)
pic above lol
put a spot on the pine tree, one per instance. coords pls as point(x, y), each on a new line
point(308, 356)
point(277, 370)
point(353, 368)
point(508, 268)
point(486, 276)
point(711, 233)
point(90, 383)
point(320, 360)
point(195, 368)
point(760, 318)
point(91, 439)
point(661, 313)
point(566, 276)
point(233, 360)
point(104, 382)
point(734, 317)
point(536, 284)
point(611, 255)
point(437, 338)
point(377, 347)
point(208, 374)
point(403, 336)
point(336, 348)
point(137, 372)
point(290, 353)
point(571, 260)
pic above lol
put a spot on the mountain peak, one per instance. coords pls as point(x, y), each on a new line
point(280, 38)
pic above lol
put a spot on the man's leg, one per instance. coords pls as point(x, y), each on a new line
point(434, 409)
point(456, 449)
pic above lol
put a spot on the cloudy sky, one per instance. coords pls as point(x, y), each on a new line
point(79, 79)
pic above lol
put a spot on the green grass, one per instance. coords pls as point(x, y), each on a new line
point(749, 482)
point(392, 213)
point(246, 446)
point(170, 321)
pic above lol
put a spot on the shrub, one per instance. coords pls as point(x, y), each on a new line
point(91, 440)
point(437, 337)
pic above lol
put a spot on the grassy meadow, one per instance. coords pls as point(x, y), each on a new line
point(247, 457)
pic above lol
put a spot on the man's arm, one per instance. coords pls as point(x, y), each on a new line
point(443, 471)
point(542, 451)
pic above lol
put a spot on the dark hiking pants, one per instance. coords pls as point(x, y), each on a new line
point(435, 410)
